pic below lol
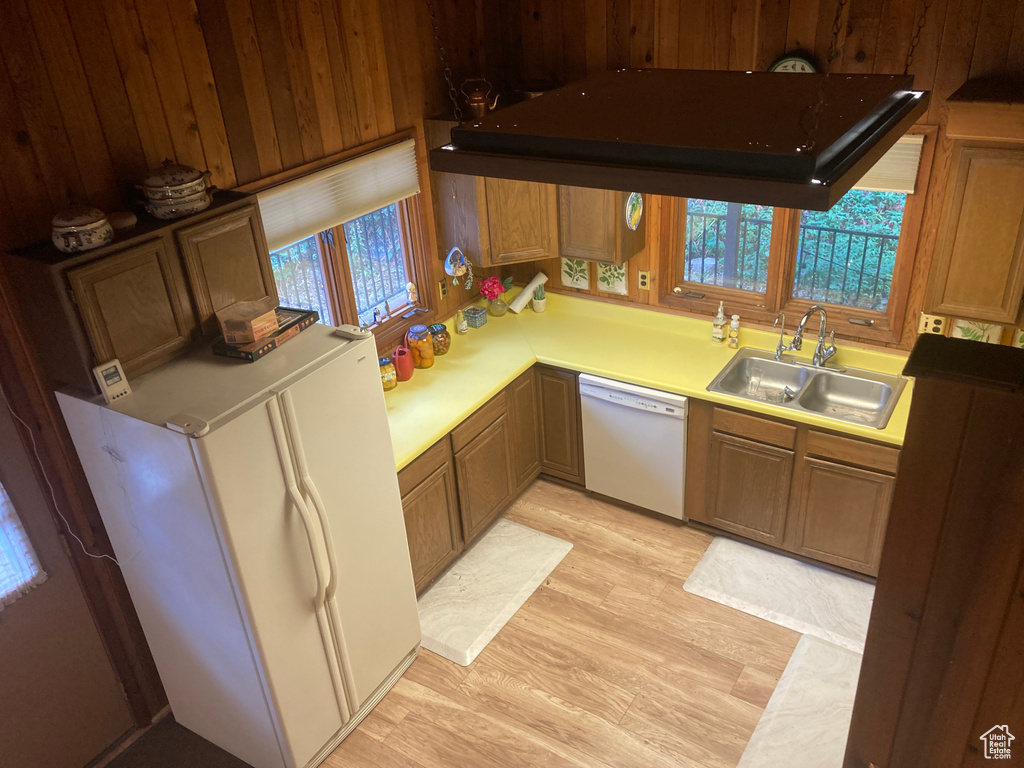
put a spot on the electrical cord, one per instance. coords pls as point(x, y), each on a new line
point(53, 493)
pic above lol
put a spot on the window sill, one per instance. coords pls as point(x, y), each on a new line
point(392, 332)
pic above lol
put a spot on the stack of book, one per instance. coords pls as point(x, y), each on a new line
point(290, 322)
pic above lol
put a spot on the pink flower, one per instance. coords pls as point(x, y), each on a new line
point(491, 288)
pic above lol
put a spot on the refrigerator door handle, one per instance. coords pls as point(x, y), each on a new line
point(310, 487)
point(325, 528)
point(294, 494)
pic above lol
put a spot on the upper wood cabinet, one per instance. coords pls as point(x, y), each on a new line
point(494, 221)
point(521, 223)
point(145, 298)
point(592, 226)
point(227, 261)
point(134, 306)
point(979, 265)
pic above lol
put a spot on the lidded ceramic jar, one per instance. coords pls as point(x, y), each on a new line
point(173, 181)
point(80, 228)
point(174, 190)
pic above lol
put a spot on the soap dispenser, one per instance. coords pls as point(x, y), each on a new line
point(718, 325)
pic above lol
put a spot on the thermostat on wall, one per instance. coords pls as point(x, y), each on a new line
point(113, 383)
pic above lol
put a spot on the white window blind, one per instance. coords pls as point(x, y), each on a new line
point(19, 567)
point(297, 209)
point(896, 171)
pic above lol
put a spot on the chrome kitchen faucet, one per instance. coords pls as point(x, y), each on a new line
point(821, 353)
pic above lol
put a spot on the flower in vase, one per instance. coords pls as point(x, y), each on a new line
point(492, 287)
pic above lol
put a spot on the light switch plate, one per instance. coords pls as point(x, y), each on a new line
point(931, 324)
point(442, 288)
point(644, 280)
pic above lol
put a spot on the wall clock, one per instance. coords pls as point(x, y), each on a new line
point(792, 63)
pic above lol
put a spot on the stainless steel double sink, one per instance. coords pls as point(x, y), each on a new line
point(852, 395)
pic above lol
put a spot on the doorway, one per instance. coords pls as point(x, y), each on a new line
point(62, 702)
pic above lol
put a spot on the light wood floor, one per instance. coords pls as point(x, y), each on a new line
point(609, 663)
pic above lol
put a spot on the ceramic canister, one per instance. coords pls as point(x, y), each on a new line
point(80, 228)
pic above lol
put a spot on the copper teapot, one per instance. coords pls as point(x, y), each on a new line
point(478, 96)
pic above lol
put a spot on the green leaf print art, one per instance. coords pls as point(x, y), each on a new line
point(611, 278)
point(576, 273)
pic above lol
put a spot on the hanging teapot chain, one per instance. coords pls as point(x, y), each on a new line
point(442, 56)
point(916, 38)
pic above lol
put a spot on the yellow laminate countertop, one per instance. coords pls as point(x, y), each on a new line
point(638, 346)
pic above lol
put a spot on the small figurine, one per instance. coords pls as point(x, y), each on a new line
point(412, 293)
point(378, 318)
point(387, 309)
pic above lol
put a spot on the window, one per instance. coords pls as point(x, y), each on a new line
point(847, 255)
point(855, 258)
point(727, 244)
point(19, 568)
point(344, 239)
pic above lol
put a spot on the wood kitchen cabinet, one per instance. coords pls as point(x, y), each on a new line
point(804, 490)
point(483, 466)
point(146, 297)
point(592, 226)
point(979, 264)
point(134, 306)
point(524, 428)
point(431, 507)
point(560, 426)
point(227, 261)
point(494, 221)
point(749, 479)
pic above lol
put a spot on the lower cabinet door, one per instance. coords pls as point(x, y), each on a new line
point(432, 524)
point(558, 393)
point(484, 470)
point(748, 487)
point(841, 514)
point(524, 428)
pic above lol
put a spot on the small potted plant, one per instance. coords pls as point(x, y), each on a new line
point(540, 299)
point(491, 289)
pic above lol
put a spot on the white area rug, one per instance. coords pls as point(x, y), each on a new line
point(484, 588)
point(808, 599)
point(807, 720)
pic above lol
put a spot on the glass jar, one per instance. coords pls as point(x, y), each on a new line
point(499, 307)
point(421, 345)
point(388, 374)
point(441, 338)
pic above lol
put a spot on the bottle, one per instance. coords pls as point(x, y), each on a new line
point(461, 324)
point(718, 325)
point(734, 332)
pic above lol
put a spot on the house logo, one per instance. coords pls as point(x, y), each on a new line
point(997, 742)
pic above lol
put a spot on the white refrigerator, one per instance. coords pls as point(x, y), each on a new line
point(255, 513)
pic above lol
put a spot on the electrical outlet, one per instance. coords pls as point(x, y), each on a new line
point(645, 280)
point(442, 288)
point(931, 324)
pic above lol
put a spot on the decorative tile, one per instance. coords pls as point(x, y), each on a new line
point(1018, 338)
point(576, 273)
point(804, 597)
point(611, 278)
point(969, 329)
point(807, 719)
point(485, 587)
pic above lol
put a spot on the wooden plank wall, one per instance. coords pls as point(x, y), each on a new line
point(564, 40)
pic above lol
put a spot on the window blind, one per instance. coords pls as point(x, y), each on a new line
point(19, 567)
point(310, 204)
point(896, 171)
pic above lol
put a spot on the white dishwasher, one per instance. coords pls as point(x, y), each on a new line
point(634, 444)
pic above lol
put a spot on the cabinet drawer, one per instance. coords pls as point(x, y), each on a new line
point(482, 418)
point(850, 451)
point(420, 468)
point(754, 428)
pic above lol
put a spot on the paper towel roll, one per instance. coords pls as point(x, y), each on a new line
point(518, 304)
